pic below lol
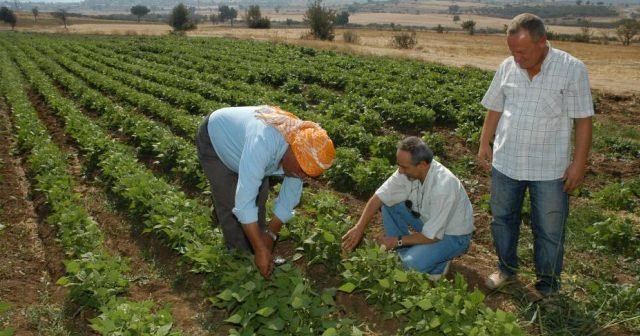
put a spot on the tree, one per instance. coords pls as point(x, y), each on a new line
point(62, 15)
point(254, 18)
point(179, 19)
point(439, 29)
point(342, 19)
point(627, 30)
point(227, 13)
point(454, 9)
point(469, 26)
point(320, 20)
point(8, 16)
point(456, 18)
point(140, 11)
point(35, 13)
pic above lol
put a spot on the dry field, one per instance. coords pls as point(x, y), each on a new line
point(427, 20)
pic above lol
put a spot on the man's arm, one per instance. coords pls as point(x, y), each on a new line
point(263, 257)
point(352, 238)
point(485, 152)
point(574, 175)
point(415, 238)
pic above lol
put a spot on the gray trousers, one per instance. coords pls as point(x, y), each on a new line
point(223, 182)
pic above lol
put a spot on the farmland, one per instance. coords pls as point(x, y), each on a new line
point(113, 216)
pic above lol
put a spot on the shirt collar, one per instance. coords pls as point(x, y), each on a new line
point(549, 58)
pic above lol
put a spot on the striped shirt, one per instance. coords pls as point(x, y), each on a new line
point(533, 137)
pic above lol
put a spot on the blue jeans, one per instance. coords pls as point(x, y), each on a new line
point(549, 211)
point(426, 258)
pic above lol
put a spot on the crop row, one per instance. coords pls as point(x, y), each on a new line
point(95, 277)
point(427, 308)
point(360, 178)
point(172, 152)
point(184, 226)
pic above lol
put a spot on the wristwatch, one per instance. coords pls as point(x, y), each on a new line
point(399, 241)
point(271, 234)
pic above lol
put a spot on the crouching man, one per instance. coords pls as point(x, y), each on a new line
point(426, 213)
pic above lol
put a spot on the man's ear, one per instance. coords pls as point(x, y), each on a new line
point(543, 39)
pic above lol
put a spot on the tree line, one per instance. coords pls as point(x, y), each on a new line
point(322, 20)
point(547, 12)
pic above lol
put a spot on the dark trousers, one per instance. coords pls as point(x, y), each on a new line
point(223, 182)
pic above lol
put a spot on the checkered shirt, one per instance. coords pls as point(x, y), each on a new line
point(533, 137)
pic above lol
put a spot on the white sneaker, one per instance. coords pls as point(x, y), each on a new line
point(498, 279)
point(436, 277)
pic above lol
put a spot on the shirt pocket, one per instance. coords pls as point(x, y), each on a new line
point(551, 102)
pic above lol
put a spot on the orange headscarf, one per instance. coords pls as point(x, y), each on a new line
point(311, 145)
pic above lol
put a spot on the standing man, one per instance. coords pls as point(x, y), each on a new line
point(239, 148)
point(535, 98)
point(425, 196)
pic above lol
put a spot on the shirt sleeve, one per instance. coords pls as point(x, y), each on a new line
point(288, 198)
point(494, 97)
point(256, 156)
point(578, 101)
point(394, 190)
point(442, 209)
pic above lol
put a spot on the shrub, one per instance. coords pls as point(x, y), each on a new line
point(615, 234)
point(469, 26)
point(616, 196)
point(255, 20)
point(351, 37)
point(404, 40)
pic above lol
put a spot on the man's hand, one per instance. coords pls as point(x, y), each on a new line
point(388, 242)
point(352, 238)
point(485, 156)
point(262, 249)
point(264, 262)
point(573, 176)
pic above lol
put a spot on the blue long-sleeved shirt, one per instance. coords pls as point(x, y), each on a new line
point(253, 149)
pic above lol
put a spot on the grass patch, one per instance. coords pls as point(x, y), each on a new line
point(616, 140)
point(48, 318)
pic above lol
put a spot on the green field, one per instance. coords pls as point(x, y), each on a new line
point(128, 108)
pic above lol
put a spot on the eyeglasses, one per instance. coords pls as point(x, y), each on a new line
point(409, 205)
